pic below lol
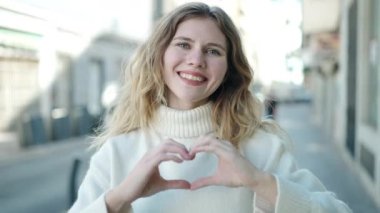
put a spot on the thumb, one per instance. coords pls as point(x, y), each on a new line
point(203, 182)
point(176, 184)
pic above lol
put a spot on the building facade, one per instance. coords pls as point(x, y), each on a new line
point(56, 80)
point(360, 58)
point(346, 93)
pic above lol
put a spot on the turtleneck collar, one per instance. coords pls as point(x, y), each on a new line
point(184, 123)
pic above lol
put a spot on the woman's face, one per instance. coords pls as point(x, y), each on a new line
point(195, 63)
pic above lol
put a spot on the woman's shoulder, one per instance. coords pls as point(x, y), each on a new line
point(272, 133)
point(264, 143)
point(264, 136)
point(121, 138)
point(124, 139)
point(121, 146)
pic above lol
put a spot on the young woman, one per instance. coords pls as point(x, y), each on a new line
point(187, 136)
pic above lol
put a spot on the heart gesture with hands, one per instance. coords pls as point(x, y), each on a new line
point(233, 169)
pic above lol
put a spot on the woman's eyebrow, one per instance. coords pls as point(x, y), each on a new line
point(217, 45)
point(208, 44)
point(183, 38)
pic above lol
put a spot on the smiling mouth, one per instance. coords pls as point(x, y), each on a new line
point(191, 77)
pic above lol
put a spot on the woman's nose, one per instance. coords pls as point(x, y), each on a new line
point(196, 58)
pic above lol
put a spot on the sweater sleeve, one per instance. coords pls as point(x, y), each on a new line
point(298, 190)
point(92, 191)
point(301, 191)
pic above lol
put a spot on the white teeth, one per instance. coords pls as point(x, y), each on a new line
point(191, 77)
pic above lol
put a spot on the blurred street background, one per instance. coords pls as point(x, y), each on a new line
point(316, 63)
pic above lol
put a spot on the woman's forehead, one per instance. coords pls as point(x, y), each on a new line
point(205, 29)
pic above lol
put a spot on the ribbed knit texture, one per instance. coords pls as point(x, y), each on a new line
point(184, 123)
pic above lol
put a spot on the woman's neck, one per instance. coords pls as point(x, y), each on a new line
point(176, 123)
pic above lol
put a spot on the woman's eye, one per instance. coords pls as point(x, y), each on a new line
point(183, 45)
point(213, 52)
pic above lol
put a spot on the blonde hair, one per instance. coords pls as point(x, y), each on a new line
point(236, 113)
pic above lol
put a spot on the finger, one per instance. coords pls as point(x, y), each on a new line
point(203, 182)
point(219, 150)
point(215, 148)
point(168, 157)
point(205, 139)
point(176, 184)
point(172, 146)
point(202, 148)
point(212, 144)
point(202, 144)
point(214, 139)
point(209, 139)
point(174, 143)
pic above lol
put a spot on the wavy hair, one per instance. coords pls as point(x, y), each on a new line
point(236, 113)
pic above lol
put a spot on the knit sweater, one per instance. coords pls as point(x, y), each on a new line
point(299, 191)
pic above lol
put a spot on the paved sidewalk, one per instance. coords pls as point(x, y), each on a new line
point(314, 152)
point(38, 178)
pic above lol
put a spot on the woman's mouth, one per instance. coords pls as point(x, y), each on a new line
point(191, 77)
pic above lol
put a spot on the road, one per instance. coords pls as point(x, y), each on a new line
point(38, 181)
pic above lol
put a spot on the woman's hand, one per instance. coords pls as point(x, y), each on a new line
point(145, 179)
point(233, 169)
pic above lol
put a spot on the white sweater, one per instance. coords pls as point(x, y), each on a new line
point(299, 191)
